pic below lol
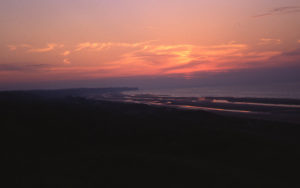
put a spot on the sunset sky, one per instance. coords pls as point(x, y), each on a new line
point(56, 40)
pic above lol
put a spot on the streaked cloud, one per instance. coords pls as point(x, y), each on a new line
point(22, 67)
point(280, 11)
point(266, 41)
point(106, 40)
point(19, 46)
point(31, 49)
point(86, 45)
point(188, 58)
point(155, 58)
point(184, 66)
point(100, 46)
point(50, 47)
point(295, 52)
point(12, 47)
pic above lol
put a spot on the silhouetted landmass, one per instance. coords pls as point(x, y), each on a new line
point(75, 92)
point(70, 141)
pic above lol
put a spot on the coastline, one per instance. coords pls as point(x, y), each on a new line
point(76, 142)
point(276, 109)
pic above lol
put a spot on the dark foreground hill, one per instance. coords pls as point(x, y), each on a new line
point(74, 142)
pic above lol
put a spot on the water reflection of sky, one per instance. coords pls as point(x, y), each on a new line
point(212, 109)
point(285, 91)
point(258, 104)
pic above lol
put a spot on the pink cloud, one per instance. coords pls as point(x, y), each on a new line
point(49, 48)
point(66, 53)
point(86, 45)
point(266, 41)
point(12, 47)
point(98, 46)
point(67, 61)
point(15, 47)
point(151, 58)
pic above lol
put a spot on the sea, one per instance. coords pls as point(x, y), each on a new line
point(285, 91)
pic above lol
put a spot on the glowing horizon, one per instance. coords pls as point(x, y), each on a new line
point(73, 40)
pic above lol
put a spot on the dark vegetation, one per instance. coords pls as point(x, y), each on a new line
point(75, 142)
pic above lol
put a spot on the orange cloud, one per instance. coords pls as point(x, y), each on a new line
point(86, 45)
point(66, 53)
point(100, 46)
point(15, 47)
point(185, 58)
point(12, 47)
point(152, 58)
point(266, 41)
point(171, 55)
point(49, 48)
point(156, 59)
point(67, 61)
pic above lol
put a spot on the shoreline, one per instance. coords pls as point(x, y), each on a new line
point(79, 142)
point(283, 110)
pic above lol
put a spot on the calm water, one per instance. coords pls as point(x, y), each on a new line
point(269, 91)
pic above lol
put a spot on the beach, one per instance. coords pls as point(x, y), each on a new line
point(79, 142)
